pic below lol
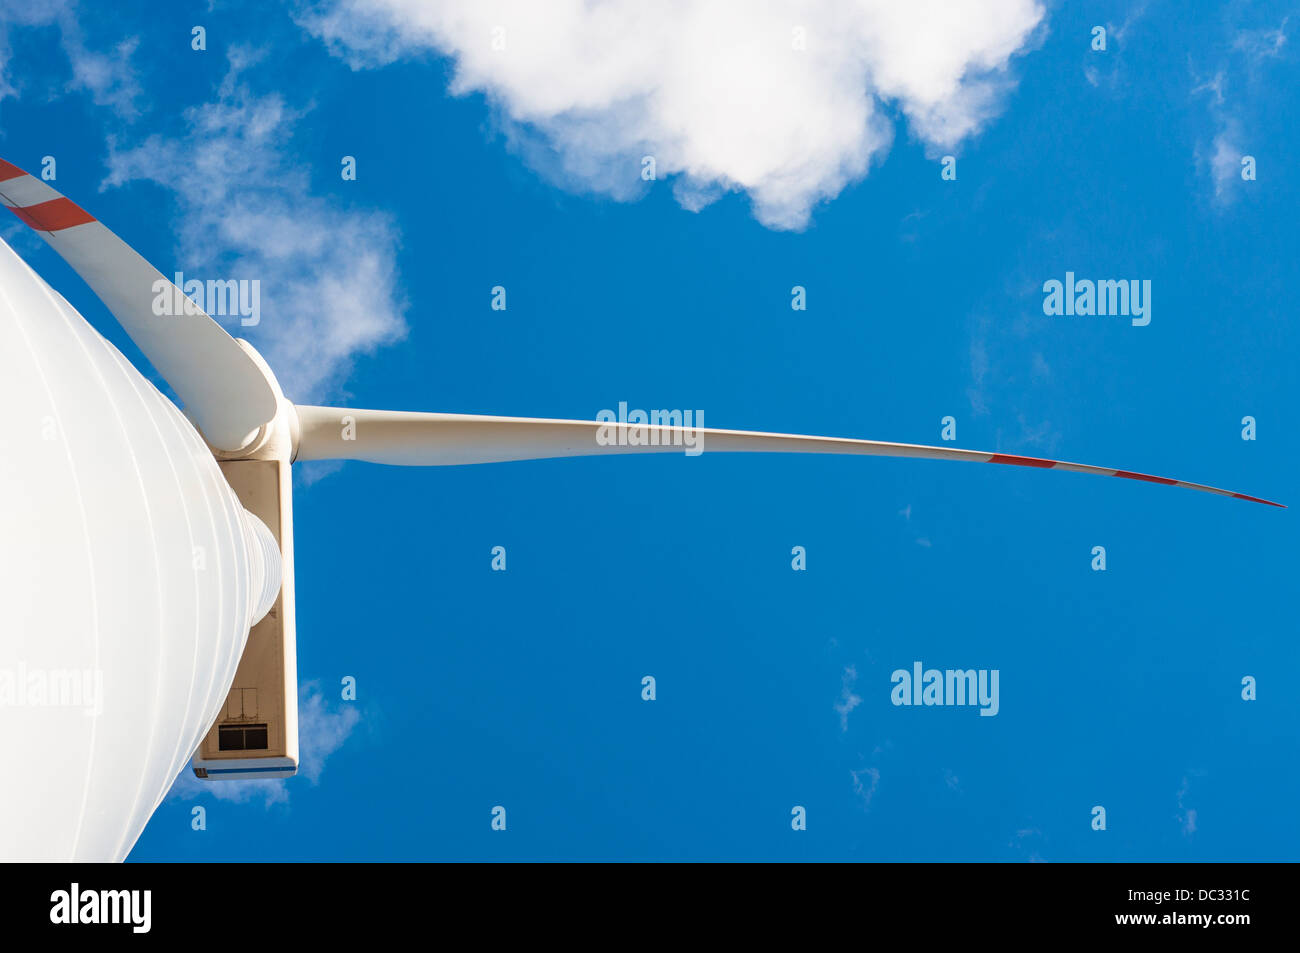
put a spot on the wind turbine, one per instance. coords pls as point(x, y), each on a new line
point(146, 564)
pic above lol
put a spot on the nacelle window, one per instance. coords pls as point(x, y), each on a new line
point(241, 738)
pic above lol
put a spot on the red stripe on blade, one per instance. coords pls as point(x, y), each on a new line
point(1021, 461)
point(8, 171)
point(54, 215)
point(1255, 499)
point(1130, 475)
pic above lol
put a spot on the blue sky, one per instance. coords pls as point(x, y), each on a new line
point(477, 688)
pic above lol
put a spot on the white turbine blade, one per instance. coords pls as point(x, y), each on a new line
point(222, 388)
point(414, 439)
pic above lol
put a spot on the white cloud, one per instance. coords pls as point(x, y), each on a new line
point(1263, 43)
point(1213, 86)
point(1025, 840)
point(329, 284)
point(322, 730)
point(15, 16)
point(1225, 160)
point(977, 393)
point(1106, 69)
point(865, 789)
point(1222, 158)
point(107, 77)
point(718, 91)
point(1186, 815)
point(1238, 124)
point(848, 699)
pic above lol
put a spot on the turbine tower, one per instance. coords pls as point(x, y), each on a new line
point(146, 555)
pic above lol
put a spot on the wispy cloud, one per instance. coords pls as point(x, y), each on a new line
point(17, 16)
point(1213, 86)
point(865, 782)
point(1233, 95)
point(1186, 815)
point(106, 76)
point(923, 541)
point(1222, 160)
point(977, 393)
point(994, 359)
point(1106, 68)
point(1028, 840)
point(1263, 43)
point(788, 101)
point(849, 699)
point(328, 275)
point(322, 730)
point(1225, 160)
point(309, 472)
